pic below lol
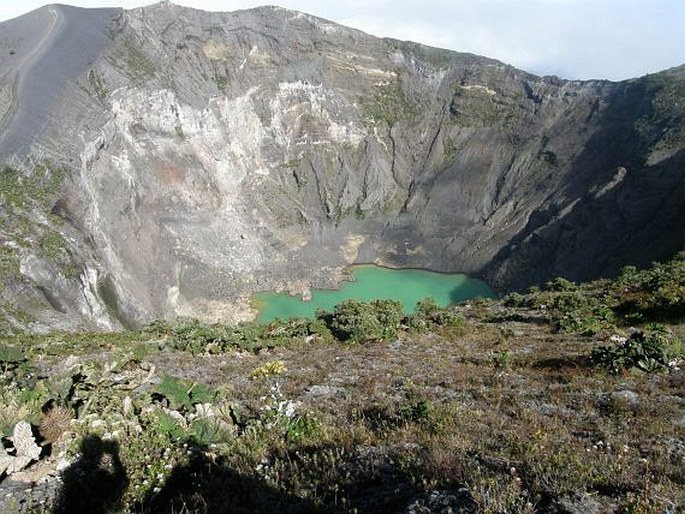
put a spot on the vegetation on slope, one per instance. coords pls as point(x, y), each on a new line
point(30, 224)
point(562, 400)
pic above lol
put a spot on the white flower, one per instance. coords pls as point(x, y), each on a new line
point(288, 408)
point(204, 410)
point(127, 406)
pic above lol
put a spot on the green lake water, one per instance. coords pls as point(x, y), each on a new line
point(372, 282)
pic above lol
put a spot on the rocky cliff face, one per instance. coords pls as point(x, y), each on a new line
point(165, 161)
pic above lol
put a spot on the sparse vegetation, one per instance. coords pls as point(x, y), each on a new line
point(98, 85)
point(28, 226)
point(499, 406)
point(20, 190)
point(649, 351)
point(134, 62)
point(390, 105)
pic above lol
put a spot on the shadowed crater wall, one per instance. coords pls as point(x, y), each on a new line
point(206, 156)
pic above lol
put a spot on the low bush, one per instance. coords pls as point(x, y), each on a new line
point(181, 395)
point(354, 321)
point(515, 300)
point(10, 357)
point(574, 312)
point(658, 292)
point(561, 284)
point(428, 315)
point(649, 351)
point(195, 336)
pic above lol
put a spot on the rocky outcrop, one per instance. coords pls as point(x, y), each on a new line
point(211, 155)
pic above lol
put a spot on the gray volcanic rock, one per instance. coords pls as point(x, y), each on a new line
point(48, 48)
point(209, 155)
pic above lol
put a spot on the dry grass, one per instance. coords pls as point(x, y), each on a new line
point(512, 411)
point(501, 413)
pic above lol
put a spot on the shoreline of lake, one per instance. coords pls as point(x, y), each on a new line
point(371, 281)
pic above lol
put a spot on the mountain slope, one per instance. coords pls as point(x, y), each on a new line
point(568, 399)
point(205, 156)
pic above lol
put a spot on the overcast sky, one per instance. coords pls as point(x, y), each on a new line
point(576, 39)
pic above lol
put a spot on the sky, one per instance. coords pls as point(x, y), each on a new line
point(573, 39)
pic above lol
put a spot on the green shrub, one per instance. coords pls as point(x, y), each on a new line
point(280, 332)
point(301, 427)
point(648, 351)
point(428, 315)
point(576, 313)
point(501, 359)
point(194, 336)
point(416, 411)
point(318, 328)
point(515, 300)
point(10, 357)
point(208, 431)
point(168, 425)
point(658, 291)
point(560, 284)
point(355, 321)
point(149, 458)
point(181, 395)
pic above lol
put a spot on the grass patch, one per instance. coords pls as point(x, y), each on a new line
point(390, 105)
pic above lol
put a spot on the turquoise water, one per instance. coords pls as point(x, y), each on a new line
point(371, 282)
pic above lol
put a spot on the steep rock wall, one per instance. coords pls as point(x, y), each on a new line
point(212, 155)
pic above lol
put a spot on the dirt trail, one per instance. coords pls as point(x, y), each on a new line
point(26, 65)
point(60, 43)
